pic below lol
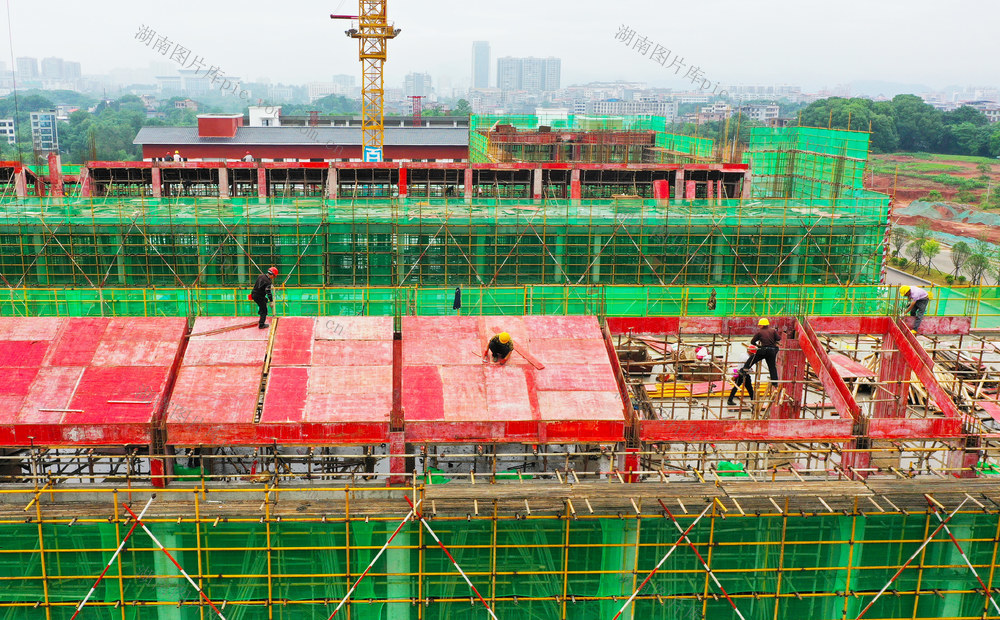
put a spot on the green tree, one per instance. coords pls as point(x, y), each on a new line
point(463, 108)
point(960, 253)
point(916, 250)
point(965, 114)
point(898, 238)
point(931, 249)
point(978, 263)
point(919, 125)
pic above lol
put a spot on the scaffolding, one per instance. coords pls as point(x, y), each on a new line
point(782, 544)
point(807, 162)
point(483, 243)
point(583, 139)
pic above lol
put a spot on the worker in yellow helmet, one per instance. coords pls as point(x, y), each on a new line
point(918, 304)
point(766, 340)
point(499, 349)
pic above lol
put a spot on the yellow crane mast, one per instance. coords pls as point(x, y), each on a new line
point(373, 33)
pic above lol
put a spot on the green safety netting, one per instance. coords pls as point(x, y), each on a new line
point(982, 304)
point(829, 564)
point(146, 243)
point(681, 148)
point(807, 162)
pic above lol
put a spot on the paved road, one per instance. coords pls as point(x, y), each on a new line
point(942, 262)
point(895, 276)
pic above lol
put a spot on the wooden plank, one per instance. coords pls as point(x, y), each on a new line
point(850, 369)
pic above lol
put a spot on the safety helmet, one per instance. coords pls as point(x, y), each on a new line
point(273, 271)
point(763, 323)
point(904, 290)
point(701, 353)
point(175, 152)
point(504, 338)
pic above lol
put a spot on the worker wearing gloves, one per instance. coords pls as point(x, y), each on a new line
point(499, 349)
point(766, 340)
point(262, 294)
point(742, 378)
point(918, 304)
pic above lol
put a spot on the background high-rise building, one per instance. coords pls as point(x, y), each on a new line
point(27, 68)
point(417, 85)
point(52, 68)
point(531, 74)
point(44, 132)
point(480, 64)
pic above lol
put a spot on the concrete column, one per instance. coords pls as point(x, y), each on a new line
point(679, 184)
point(262, 182)
point(224, 183)
point(157, 180)
point(403, 188)
point(595, 256)
point(55, 176)
point(720, 190)
point(536, 192)
point(892, 375)
point(468, 183)
point(711, 186)
point(21, 184)
point(792, 373)
point(332, 179)
point(42, 263)
point(560, 253)
point(481, 248)
point(86, 183)
point(170, 589)
point(575, 187)
point(689, 191)
point(399, 586)
point(120, 260)
point(746, 185)
point(241, 259)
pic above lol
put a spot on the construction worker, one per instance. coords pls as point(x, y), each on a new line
point(177, 156)
point(742, 379)
point(248, 157)
point(500, 348)
point(262, 294)
point(766, 340)
point(918, 304)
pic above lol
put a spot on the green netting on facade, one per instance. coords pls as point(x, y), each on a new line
point(440, 243)
point(676, 148)
point(574, 122)
point(807, 162)
point(701, 148)
point(793, 567)
point(982, 304)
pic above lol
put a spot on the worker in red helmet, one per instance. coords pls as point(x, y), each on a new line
point(262, 294)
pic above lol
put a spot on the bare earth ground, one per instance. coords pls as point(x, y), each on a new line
point(908, 189)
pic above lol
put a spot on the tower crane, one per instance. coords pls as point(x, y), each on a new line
point(373, 33)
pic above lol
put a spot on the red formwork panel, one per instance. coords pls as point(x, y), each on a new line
point(450, 395)
point(73, 382)
point(329, 382)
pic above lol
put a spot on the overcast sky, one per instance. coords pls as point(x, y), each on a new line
point(805, 42)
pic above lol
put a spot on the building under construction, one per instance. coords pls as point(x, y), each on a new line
point(162, 458)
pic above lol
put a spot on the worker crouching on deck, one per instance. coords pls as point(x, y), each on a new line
point(499, 349)
point(262, 294)
point(918, 304)
point(766, 340)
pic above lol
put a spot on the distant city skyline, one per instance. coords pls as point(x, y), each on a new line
point(776, 41)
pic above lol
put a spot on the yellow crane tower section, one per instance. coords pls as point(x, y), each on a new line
point(373, 33)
